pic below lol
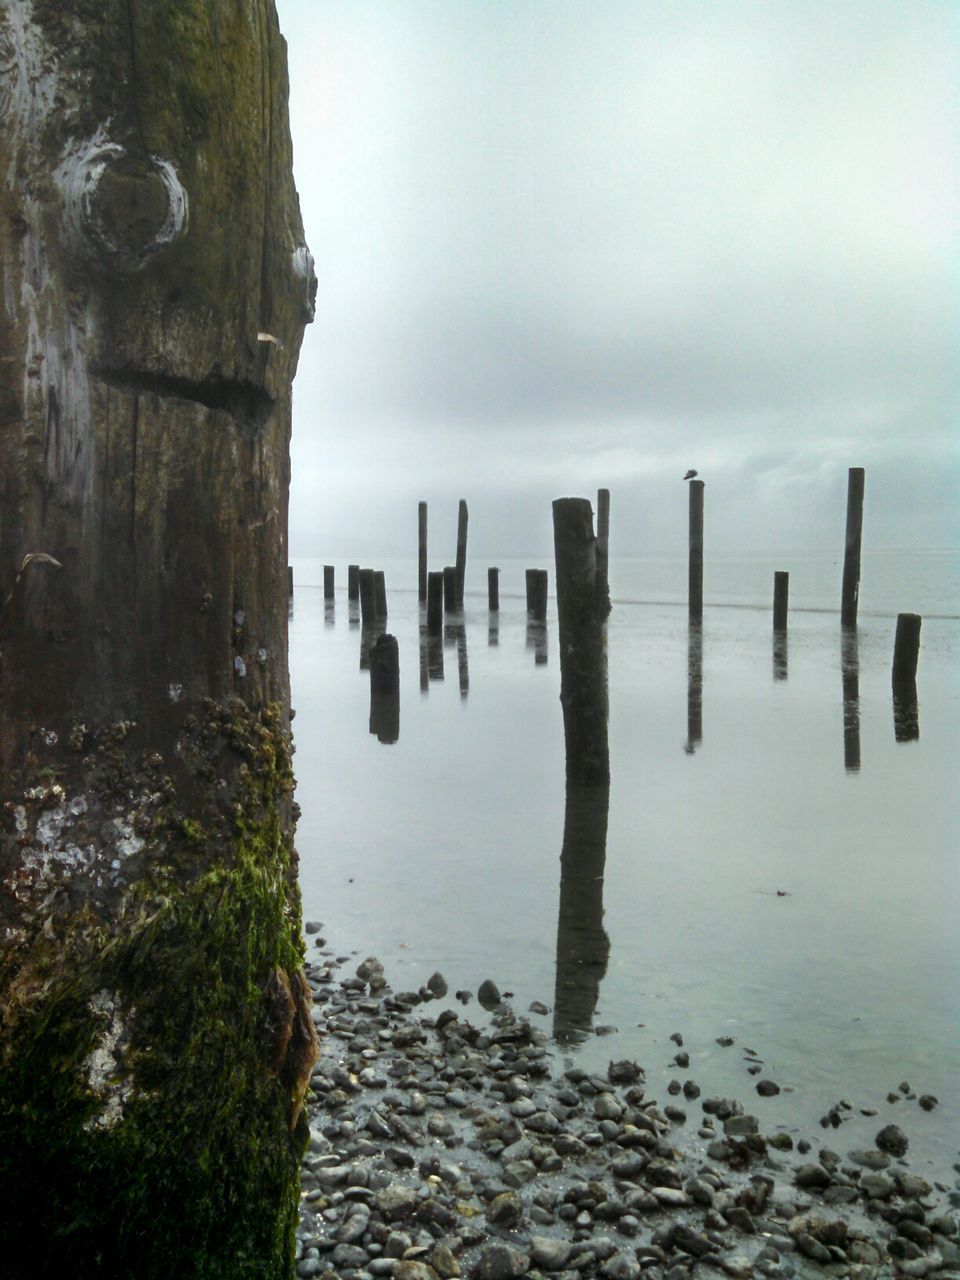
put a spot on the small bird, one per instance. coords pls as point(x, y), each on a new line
point(690, 475)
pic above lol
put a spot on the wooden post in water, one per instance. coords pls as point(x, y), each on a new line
point(583, 674)
point(537, 582)
point(368, 598)
point(493, 589)
point(906, 648)
point(449, 588)
point(603, 550)
point(781, 589)
point(353, 582)
point(385, 689)
point(380, 594)
point(906, 718)
point(435, 603)
point(422, 558)
point(695, 576)
point(461, 550)
point(328, 581)
point(851, 554)
point(289, 581)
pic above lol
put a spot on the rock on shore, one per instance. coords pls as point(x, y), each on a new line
point(440, 1150)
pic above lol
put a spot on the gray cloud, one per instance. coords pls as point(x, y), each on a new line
point(563, 240)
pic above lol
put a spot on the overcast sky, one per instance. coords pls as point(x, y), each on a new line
point(570, 243)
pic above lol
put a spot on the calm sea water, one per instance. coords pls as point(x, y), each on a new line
point(777, 858)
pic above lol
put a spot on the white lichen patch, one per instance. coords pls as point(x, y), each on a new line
point(28, 78)
point(103, 1067)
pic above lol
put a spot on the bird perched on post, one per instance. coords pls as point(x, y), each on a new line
point(690, 475)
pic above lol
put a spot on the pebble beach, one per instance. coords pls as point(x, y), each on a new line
point(450, 1137)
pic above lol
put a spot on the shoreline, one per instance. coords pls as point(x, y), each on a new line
point(440, 1148)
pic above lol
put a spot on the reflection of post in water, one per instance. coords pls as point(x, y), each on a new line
point(493, 630)
point(462, 668)
point(694, 687)
point(368, 638)
point(353, 614)
point(329, 617)
point(385, 689)
point(455, 633)
point(424, 639)
point(850, 672)
point(780, 655)
point(537, 640)
point(582, 944)
point(906, 715)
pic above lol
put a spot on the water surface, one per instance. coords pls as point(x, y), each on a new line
point(770, 863)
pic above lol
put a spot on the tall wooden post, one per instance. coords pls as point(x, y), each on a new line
point(493, 590)
point(695, 585)
point(328, 582)
point(851, 555)
point(353, 582)
point(603, 549)
point(422, 553)
point(157, 1037)
point(781, 590)
point(461, 565)
point(583, 672)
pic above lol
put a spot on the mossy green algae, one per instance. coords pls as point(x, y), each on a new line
point(183, 1160)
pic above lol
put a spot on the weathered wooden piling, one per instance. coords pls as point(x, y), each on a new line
point(385, 665)
point(537, 584)
point(380, 594)
point(603, 550)
point(906, 716)
point(461, 565)
point(781, 591)
point(368, 598)
point(906, 648)
point(583, 671)
point(290, 581)
point(435, 603)
point(422, 555)
point(493, 589)
point(328, 582)
point(851, 555)
point(695, 571)
point(450, 589)
point(385, 688)
point(353, 582)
